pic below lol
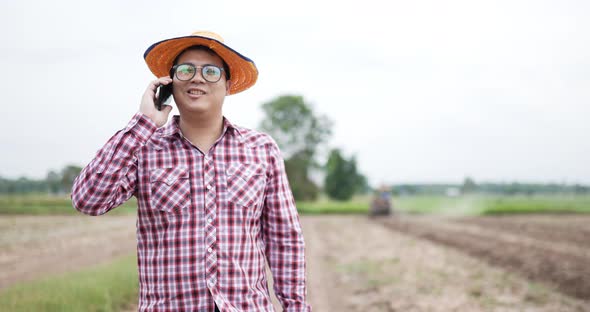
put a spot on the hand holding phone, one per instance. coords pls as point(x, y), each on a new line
point(164, 93)
point(153, 102)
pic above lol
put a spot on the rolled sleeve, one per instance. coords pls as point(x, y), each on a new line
point(111, 177)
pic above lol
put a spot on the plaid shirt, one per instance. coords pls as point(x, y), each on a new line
point(206, 223)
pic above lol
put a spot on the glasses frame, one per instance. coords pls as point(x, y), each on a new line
point(173, 72)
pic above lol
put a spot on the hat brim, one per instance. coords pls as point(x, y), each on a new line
point(160, 56)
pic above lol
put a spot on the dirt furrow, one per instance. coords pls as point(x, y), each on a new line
point(545, 262)
point(526, 241)
point(570, 230)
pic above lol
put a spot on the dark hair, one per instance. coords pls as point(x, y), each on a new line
point(206, 49)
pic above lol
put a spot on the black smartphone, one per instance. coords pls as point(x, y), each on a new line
point(164, 93)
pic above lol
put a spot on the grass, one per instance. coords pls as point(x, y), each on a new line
point(43, 204)
point(405, 204)
point(105, 288)
point(492, 205)
point(461, 205)
point(437, 204)
point(537, 204)
point(358, 205)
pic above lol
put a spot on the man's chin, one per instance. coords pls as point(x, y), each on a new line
point(195, 105)
point(194, 109)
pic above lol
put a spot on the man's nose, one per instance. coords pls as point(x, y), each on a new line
point(198, 77)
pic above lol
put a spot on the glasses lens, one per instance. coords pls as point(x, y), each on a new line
point(185, 72)
point(211, 73)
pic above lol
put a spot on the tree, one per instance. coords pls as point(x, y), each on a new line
point(342, 178)
point(301, 186)
point(299, 132)
point(68, 175)
point(54, 182)
point(294, 125)
point(362, 186)
point(468, 186)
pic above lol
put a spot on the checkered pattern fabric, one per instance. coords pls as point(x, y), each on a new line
point(207, 222)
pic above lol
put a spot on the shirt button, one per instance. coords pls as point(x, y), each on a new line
point(211, 283)
point(209, 220)
point(210, 250)
point(209, 186)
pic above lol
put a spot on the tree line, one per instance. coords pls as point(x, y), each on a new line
point(301, 135)
point(469, 186)
point(56, 182)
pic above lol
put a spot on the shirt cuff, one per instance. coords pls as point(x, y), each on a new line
point(141, 127)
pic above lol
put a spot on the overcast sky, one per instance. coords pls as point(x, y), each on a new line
point(419, 91)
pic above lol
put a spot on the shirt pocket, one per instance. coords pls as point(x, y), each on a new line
point(245, 184)
point(171, 189)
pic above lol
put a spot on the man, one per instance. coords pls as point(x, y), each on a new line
point(381, 203)
point(214, 202)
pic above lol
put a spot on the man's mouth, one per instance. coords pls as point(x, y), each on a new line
point(196, 92)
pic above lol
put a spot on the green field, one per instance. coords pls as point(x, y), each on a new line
point(108, 287)
point(461, 205)
point(41, 204)
point(358, 205)
point(537, 204)
point(489, 205)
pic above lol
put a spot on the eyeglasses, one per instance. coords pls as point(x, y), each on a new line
point(187, 71)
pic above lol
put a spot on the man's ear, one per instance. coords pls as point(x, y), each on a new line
point(227, 86)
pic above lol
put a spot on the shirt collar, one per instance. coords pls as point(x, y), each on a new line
point(173, 127)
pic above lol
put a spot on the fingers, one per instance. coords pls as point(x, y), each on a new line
point(159, 82)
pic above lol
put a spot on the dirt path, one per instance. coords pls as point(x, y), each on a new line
point(36, 246)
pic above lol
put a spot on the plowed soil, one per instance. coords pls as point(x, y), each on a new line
point(360, 264)
point(32, 247)
point(551, 249)
point(393, 264)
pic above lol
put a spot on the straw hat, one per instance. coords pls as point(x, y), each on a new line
point(160, 56)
